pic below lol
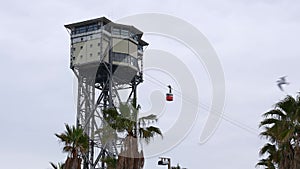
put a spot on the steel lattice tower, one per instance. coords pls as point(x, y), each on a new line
point(106, 58)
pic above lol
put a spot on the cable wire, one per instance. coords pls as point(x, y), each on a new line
point(206, 107)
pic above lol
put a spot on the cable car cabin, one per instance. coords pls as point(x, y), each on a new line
point(169, 96)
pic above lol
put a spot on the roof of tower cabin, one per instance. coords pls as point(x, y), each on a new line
point(107, 21)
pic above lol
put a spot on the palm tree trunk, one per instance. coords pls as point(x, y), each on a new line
point(296, 161)
point(130, 157)
point(73, 163)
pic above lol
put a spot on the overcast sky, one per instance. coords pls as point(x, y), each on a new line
point(256, 41)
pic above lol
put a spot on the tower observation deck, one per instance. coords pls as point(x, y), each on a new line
point(106, 57)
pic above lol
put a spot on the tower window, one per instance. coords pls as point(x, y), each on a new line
point(124, 32)
point(81, 47)
point(116, 31)
point(91, 54)
point(86, 28)
point(131, 35)
point(91, 45)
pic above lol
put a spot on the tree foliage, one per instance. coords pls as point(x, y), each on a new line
point(125, 120)
point(76, 144)
point(281, 127)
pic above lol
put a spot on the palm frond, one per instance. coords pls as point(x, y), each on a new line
point(270, 135)
point(287, 135)
point(58, 166)
point(281, 127)
point(149, 132)
point(75, 140)
point(53, 165)
point(286, 104)
point(275, 112)
point(267, 163)
point(146, 120)
point(267, 148)
point(68, 149)
point(154, 130)
point(269, 121)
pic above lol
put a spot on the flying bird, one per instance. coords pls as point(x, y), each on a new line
point(282, 81)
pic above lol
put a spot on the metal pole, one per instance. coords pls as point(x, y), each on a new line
point(110, 105)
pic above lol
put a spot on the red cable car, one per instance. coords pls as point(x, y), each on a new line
point(169, 96)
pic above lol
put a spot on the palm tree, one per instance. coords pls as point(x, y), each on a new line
point(76, 144)
point(282, 128)
point(125, 120)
